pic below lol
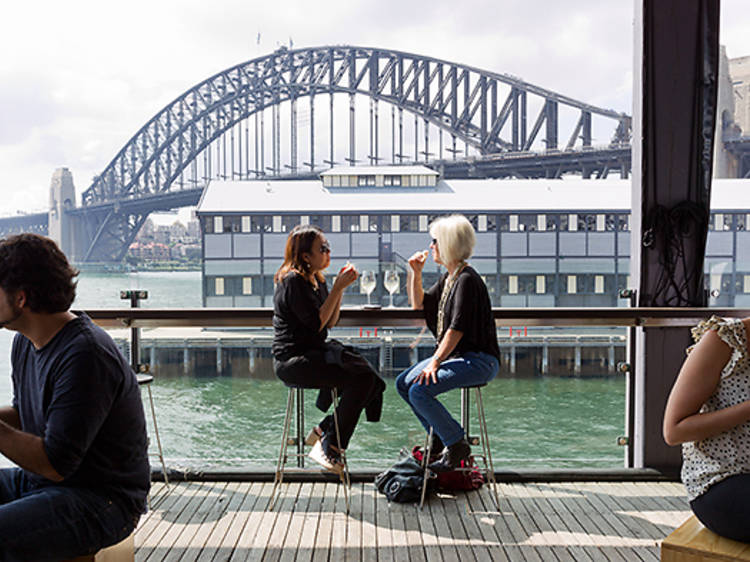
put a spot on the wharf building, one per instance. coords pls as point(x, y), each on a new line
point(540, 243)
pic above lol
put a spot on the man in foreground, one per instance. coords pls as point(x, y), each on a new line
point(76, 428)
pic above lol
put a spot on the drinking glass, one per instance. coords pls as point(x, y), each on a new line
point(391, 282)
point(367, 282)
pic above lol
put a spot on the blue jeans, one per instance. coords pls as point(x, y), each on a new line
point(56, 522)
point(470, 369)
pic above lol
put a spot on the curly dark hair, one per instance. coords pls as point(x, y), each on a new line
point(35, 265)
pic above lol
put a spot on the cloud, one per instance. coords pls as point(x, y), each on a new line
point(85, 75)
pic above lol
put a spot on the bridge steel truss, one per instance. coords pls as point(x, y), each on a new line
point(465, 102)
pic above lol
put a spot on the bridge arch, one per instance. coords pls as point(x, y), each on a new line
point(461, 100)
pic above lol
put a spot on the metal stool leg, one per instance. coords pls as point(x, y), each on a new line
point(425, 458)
point(156, 432)
point(486, 445)
point(345, 476)
point(279, 475)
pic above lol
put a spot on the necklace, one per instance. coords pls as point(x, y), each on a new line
point(444, 298)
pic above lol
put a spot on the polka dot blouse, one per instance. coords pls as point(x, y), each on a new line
point(713, 459)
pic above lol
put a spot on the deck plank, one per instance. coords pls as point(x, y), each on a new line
point(592, 521)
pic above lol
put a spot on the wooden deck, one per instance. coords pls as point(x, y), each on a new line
point(205, 521)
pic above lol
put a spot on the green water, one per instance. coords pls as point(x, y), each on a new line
point(222, 422)
point(215, 423)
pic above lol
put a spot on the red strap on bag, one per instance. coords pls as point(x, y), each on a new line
point(455, 479)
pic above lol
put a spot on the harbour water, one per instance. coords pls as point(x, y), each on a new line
point(211, 423)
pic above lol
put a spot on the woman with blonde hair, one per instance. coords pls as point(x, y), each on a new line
point(458, 311)
point(304, 309)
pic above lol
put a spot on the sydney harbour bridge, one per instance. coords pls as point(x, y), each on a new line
point(294, 113)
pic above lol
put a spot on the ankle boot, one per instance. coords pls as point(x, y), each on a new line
point(437, 446)
point(452, 457)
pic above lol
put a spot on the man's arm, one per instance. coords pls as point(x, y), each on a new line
point(25, 449)
point(9, 415)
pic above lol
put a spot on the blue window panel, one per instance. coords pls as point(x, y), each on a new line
point(218, 245)
point(623, 243)
point(719, 243)
point(601, 243)
point(530, 265)
point(246, 245)
point(339, 244)
point(406, 243)
point(273, 245)
point(225, 268)
point(542, 244)
point(572, 244)
point(365, 244)
point(486, 244)
point(513, 244)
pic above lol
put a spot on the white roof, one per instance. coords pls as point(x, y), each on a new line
point(379, 170)
point(310, 197)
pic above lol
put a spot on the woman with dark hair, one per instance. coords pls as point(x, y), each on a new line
point(458, 312)
point(708, 412)
point(304, 309)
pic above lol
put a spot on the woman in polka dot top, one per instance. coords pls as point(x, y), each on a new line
point(708, 412)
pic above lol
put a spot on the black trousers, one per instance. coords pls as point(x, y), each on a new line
point(353, 377)
point(725, 508)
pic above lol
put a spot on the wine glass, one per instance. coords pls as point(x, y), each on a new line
point(391, 282)
point(367, 282)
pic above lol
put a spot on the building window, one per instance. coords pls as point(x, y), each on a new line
point(218, 224)
point(746, 283)
point(392, 180)
point(513, 227)
point(336, 223)
point(422, 223)
point(304, 219)
point(598, 284)
point(364, 223)
point(219, 285)
point(513, 284)
point(247, 285)
point(482, 223)
point(541, 285)
point(395, 223)
point(277, 223)
point(572, 222)
point(246, 227)
point(541, 222)
point(718, 221)
point(572, 285)
point(601, 223)
point(327, 181)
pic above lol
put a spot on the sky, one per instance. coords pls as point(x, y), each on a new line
point(80, 77)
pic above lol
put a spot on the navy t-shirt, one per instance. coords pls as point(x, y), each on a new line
point(79, 395)
point(468, 310)
point(296, 316)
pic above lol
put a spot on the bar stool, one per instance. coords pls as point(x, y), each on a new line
point(145, 379)
point(484, 439)
point(286, 441)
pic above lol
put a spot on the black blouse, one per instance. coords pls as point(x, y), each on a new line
point(467, 310)
point(296, 317)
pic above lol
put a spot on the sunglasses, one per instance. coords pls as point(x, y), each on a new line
point(434, 242)
point(325, 248)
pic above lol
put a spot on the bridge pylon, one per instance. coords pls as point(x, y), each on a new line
point(62, 198)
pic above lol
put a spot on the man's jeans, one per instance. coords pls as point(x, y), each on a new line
point(56, 522)
point(470, 369)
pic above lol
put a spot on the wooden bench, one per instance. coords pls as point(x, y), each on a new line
point(692, 542)
point(123, 551)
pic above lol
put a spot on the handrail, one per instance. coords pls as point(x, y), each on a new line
point(397, 317)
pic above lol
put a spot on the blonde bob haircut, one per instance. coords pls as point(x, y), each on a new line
point(455, 238)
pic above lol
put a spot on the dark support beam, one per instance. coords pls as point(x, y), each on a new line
point(675, 104)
